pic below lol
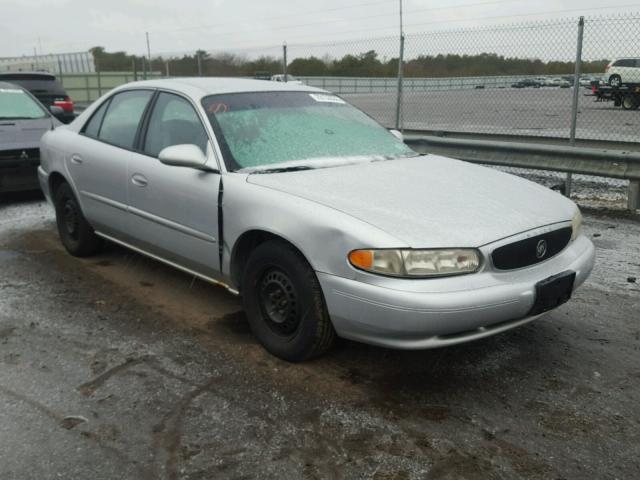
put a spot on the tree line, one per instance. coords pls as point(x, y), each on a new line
point(367, 64)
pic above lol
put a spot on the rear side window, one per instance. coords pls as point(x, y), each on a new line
point(121, 121)
point(625, 62)
point(93, 126)
point(174, 122)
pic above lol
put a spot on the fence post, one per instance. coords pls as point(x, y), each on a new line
point(284, 61)
point(199, 63)
point(574, 106)
point(60, 72)
point(99, 81)
point(166, 66)
point(633, 195)
point(86, 84)
point(399, 122)
point(135, 71)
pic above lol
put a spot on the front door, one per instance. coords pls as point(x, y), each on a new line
point(173, 211)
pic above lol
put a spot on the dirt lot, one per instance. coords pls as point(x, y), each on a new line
point(119, 367)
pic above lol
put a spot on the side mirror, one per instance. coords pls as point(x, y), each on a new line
point(57, 112)
point(186, 155)
point(397, 134)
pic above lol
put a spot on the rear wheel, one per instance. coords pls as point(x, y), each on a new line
point(76, 234)
point(284, 303)
point(630, 102)
point(615, 80)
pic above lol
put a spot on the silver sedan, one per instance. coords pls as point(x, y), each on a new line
point(324, 221)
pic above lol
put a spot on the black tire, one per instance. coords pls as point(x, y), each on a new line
point(75, 233)
point(284, 303)
point(630, 102)
point(615, 80)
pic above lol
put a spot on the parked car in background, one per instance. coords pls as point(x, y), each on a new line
point(288, 79)
point(588, 81)
point(23, 121)
point(262, 75)
point(46, 88)
point(526, 82)
point(324, 221)
point(556, 82)
point(623, 70)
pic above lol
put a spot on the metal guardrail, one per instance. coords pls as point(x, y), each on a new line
point(577, 160)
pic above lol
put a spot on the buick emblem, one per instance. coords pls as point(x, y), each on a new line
point(541, 248)
point(24, 155)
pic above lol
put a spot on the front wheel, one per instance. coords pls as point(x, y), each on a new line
point(76, 234)
point(284, 303)
point(615, 80)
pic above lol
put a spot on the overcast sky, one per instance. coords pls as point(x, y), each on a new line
point(54, 26)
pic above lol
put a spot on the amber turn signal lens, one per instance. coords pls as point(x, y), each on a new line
point(361, 259)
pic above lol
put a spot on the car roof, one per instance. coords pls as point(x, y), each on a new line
point(198, 87)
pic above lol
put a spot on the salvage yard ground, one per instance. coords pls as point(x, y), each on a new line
point(119, 367)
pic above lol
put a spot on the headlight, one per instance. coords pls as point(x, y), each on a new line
point(416, 263)
point(576, 225)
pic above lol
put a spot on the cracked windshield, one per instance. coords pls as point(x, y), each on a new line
point(258, 130)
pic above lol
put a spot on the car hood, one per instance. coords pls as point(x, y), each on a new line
point(429, 201)
point(16, 134)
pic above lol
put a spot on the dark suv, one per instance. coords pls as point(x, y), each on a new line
point(45, 87)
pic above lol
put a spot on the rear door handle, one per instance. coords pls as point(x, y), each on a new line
point(139, 180)
point(76, 159)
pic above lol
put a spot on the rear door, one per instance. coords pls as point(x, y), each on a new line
point(97, 161)
point(173, 211)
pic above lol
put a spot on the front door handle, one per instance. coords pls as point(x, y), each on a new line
point(139, 180)
point(76, 159)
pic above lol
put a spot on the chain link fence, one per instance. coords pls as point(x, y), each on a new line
point(544, 81)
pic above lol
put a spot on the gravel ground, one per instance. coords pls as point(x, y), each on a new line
point(119, 367)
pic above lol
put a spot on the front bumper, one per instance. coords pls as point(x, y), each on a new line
point(415, 314)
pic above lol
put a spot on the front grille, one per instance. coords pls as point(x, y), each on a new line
point(531, 250)
point(20, 154)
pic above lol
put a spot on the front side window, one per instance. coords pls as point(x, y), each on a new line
point(121, 121)
point(16, 104)
point(173, 122)
point(262, 129)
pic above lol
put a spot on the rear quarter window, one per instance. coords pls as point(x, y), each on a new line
point(92, 128)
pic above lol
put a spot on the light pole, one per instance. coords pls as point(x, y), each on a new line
point(148, 51)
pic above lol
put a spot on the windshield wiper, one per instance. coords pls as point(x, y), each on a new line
point(283, 169)
point(17, 118)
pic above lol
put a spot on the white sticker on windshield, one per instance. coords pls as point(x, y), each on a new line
point(10, 90)
point(323, 97)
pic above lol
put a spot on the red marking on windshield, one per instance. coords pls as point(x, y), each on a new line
point(218, 108)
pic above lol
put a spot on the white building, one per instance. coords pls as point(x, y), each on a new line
point(75, 62)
